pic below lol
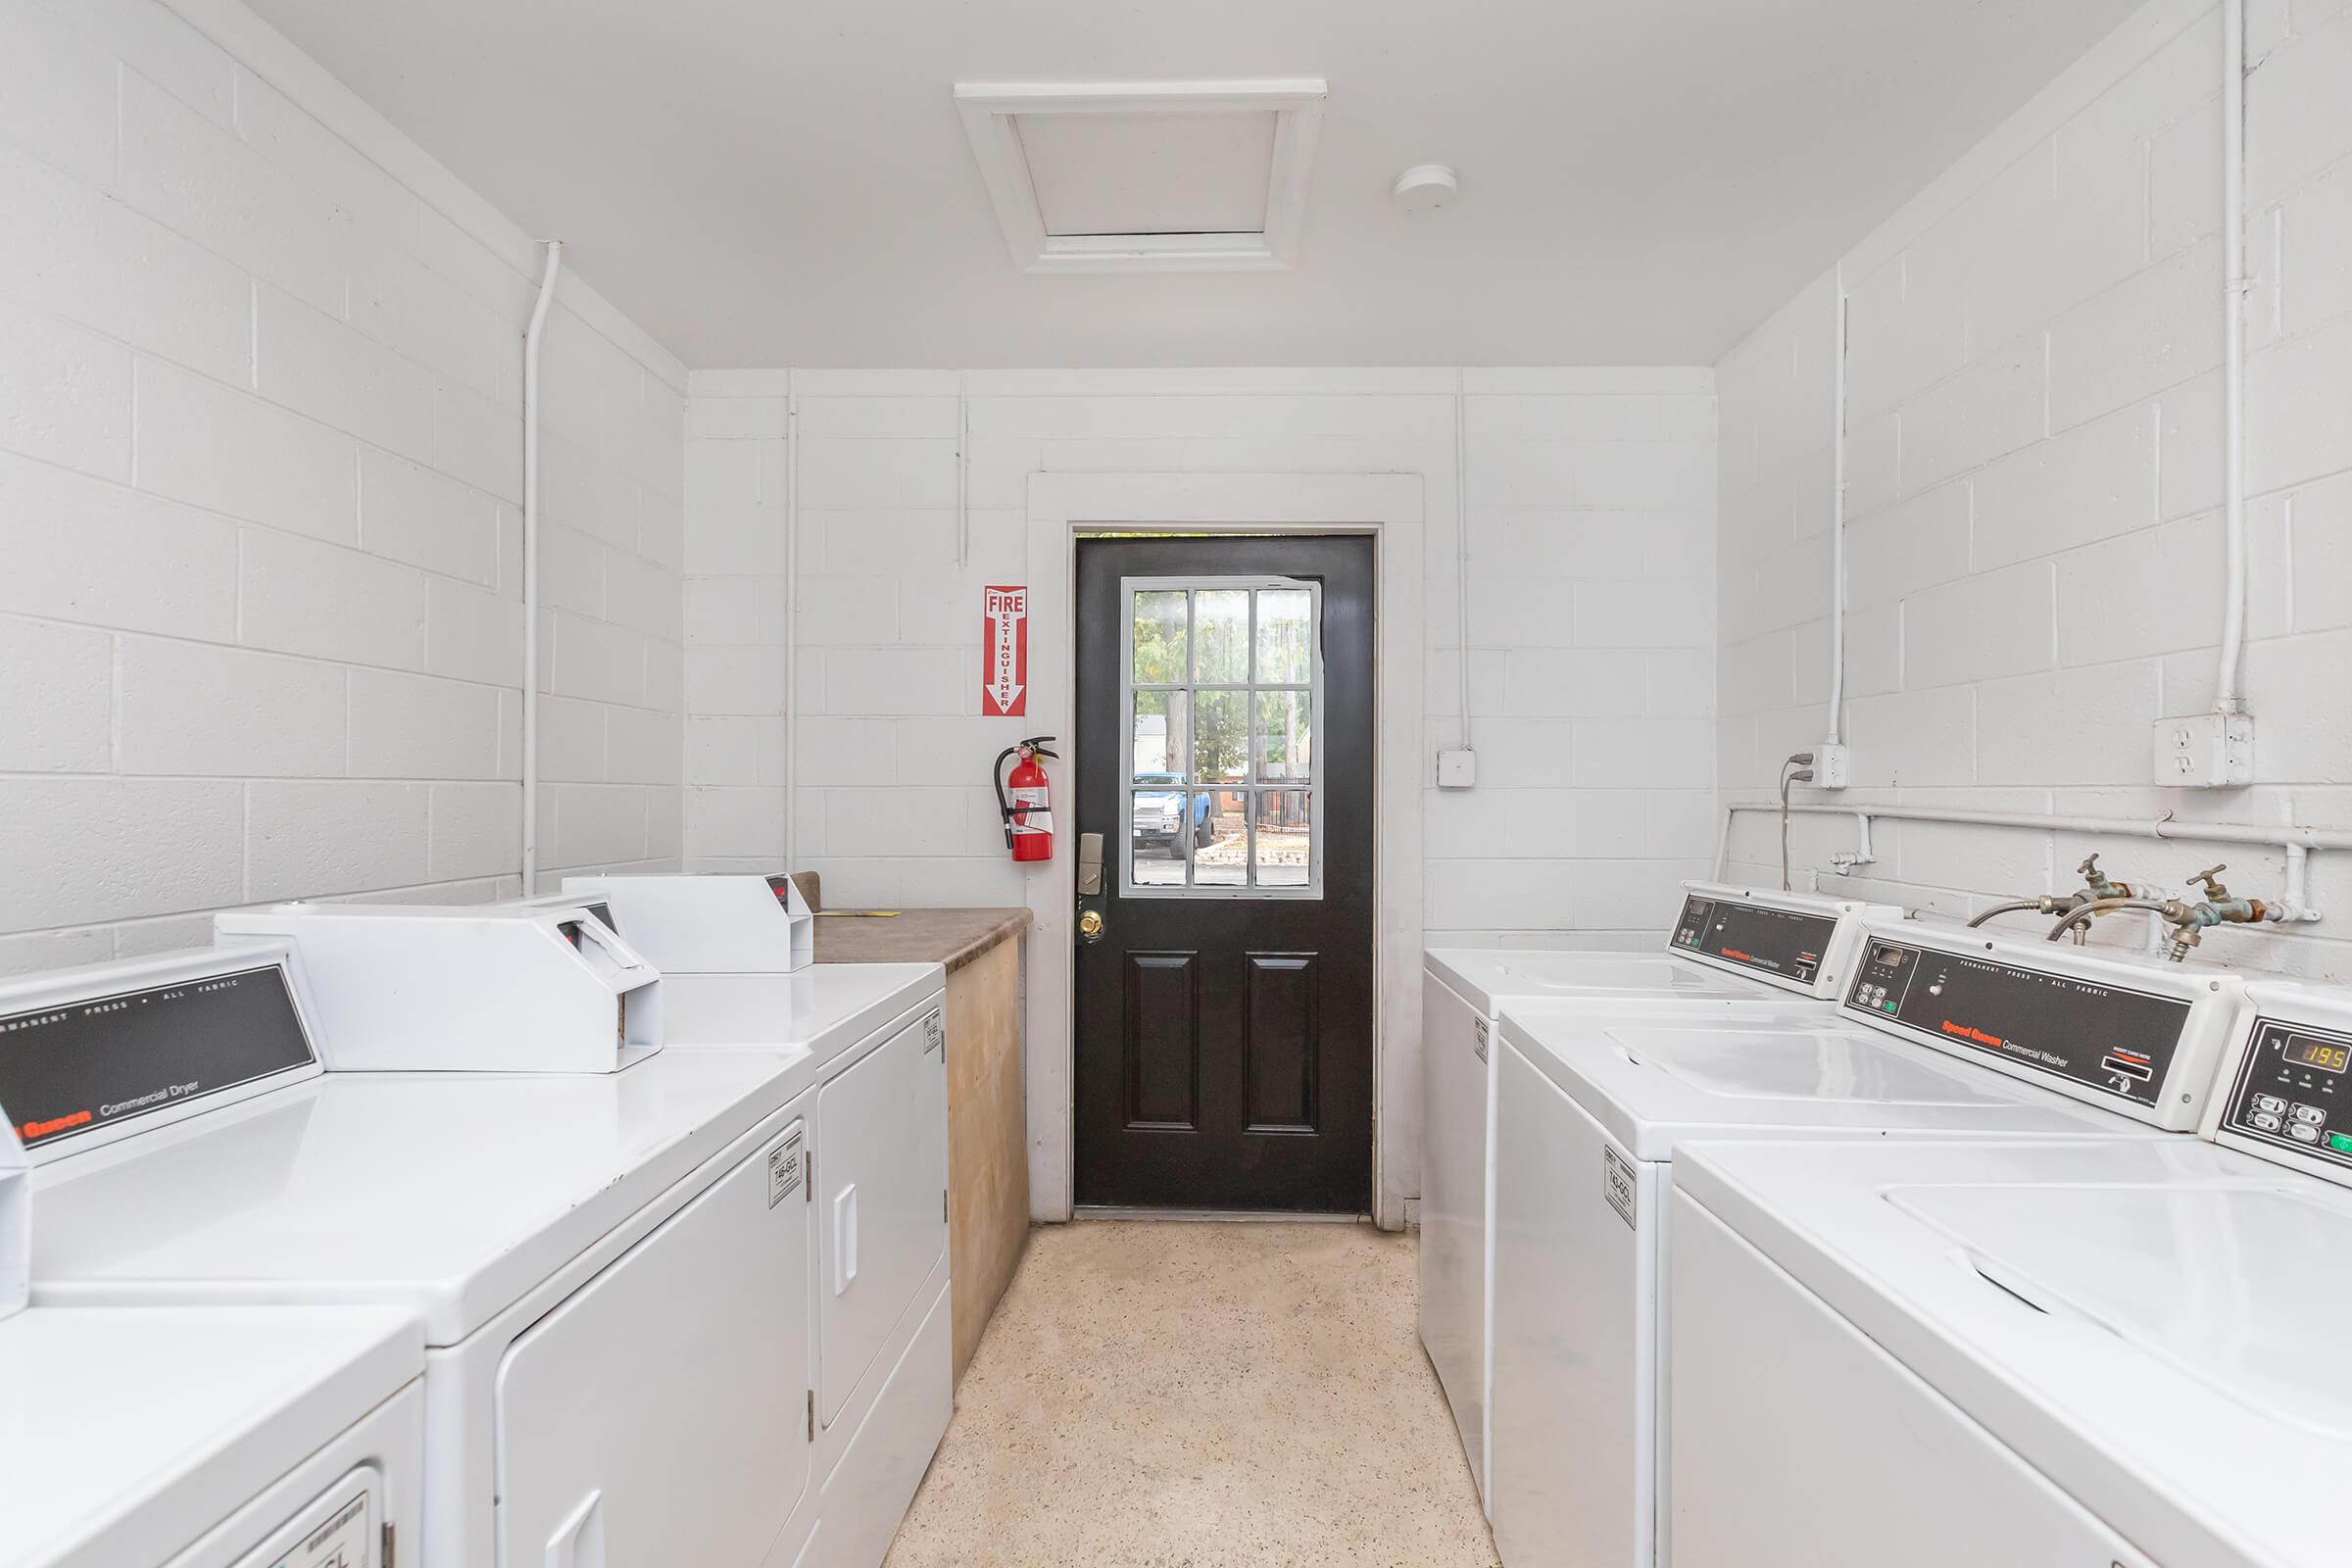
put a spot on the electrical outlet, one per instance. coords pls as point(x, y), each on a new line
point(2203, 750)
point(1458, 770)
point(1832, 765)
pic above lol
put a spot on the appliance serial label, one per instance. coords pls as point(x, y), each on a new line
point(340, 1542)
point(1617, 1186)
point(1480, 1045)
point(784, 1168)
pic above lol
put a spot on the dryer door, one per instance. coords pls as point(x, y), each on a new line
point(656, 1416)
point(882, 1172)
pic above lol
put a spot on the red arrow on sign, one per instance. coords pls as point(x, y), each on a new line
point(1004, 634)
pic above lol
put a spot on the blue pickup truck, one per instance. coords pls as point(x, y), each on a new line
point(1160, 816)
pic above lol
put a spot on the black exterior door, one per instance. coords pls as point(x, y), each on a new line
point(1225, 1003)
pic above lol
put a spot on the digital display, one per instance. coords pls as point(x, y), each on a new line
point(100, 1060)
point(2302, 1051)
point(1754, 936)
point(1890, 958)
point(2289, 1091)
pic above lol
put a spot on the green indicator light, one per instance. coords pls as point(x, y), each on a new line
point(1889, 1007)
point(2342, 1142)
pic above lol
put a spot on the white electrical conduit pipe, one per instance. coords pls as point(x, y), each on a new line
point(2295, 841)
point(792, 623)
point(964, 472)
point(1461, 535)
point(1837, 530)
point(531, 339)
point(2229, 696)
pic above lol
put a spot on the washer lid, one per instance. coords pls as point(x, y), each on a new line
point(2242, 1287)
point(2153, 1323)
point(130, 1434)
point(1653, 1084)
point(1489, 977)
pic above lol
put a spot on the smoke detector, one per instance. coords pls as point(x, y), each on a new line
point(1147, 176)
point(1425, 188)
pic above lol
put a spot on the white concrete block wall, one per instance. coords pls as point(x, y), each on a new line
point(261, 630)
point(1591, 514)
point(2034, 554)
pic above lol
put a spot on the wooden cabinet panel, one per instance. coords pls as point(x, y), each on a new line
point(988, 1138)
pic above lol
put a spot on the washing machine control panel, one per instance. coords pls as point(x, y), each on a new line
point(2094, 1034)
point(2293, 1091)
point(1787, 942)
point(80, 1062)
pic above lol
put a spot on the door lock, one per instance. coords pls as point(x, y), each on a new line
point(1090, 924)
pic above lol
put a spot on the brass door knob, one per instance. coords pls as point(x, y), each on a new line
point(1090, 924)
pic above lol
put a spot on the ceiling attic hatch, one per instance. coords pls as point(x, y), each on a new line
point(1174, 176)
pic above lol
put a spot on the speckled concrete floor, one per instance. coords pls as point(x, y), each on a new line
point(1183, 1396)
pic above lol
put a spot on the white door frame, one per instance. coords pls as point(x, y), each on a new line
point(1063, 506)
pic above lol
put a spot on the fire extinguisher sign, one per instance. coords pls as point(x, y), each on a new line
point(1004, 634)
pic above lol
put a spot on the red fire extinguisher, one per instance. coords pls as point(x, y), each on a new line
point(1023, 800)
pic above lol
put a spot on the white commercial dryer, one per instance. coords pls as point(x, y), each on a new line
point(209, 1437)
point(1729, 950)
point(2030, 1353)
point(726, 944)
point(735, 951)
point(1591, 1112)
point(633, 1305)
point(200, 1437)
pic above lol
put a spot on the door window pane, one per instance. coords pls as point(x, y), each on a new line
point(1285, 632)
point(1284, 853)
point(1286, 736)
point(1158, 632)
point(1221, 627)
point(1221, 855)
point(1220, 737)
point(1162, 732)
point(1156, 838)
point(1222, 699)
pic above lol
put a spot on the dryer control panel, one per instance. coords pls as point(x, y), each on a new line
point(1789, 943)
point(2132, 1034)
point(2291, 1091)
point(81, 1056)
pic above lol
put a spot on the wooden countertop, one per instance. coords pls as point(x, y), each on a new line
point(950, 937)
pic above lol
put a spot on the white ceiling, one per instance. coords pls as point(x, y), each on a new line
point(787, 182)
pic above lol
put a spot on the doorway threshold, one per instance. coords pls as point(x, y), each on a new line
point(1253, 1216)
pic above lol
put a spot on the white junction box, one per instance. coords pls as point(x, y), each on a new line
point(707, 923)
point(1458, 770)
point(2204, 750)
point(408, 988)
point(1832, 765)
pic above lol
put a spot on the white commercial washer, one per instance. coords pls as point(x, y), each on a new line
point(200, 1437)
point(2030, 1353)
point(1731, 950)
point(634, 1309)
point(1589, 1112)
